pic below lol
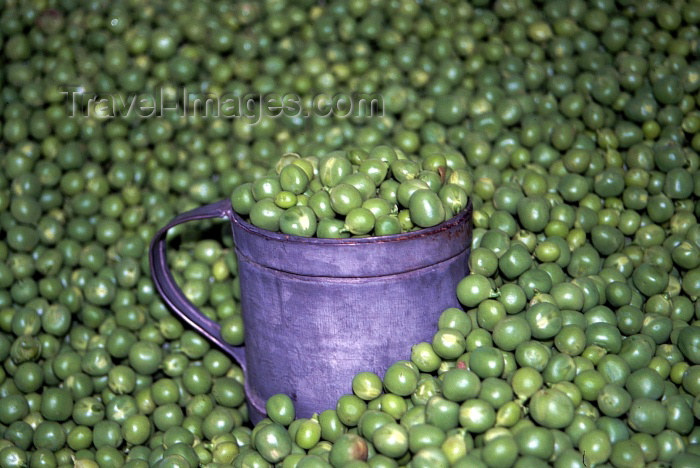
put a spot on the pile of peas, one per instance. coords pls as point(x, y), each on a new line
point(572, 126)
point(355, 192)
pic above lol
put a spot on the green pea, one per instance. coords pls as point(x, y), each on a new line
point(526, 381)
point(298, 221)
point(387, 225)
point(512, 297)
point(49, 435)
point(145, 357)
point(596, 445)
point(551, 408)
point(106, 434)
point(331, 426)
point(473, 289)
point(626, 452)
point(308, 434)
point(650, 279)
point(570, 340)
point(16, 408)
point(404, 169)
point(544, 319)
point(533, 213)
point(422, 436)
point(359, 221)
point(363, 183)
point(537, 442)
point(265, 214)
point(375, 169)
point(367, 385)
point(273, 442)
point(486, 361)
point(348, 448)
point(242, 199)
point(266, 187)
point(404, 218)
point(644, 382)
point(449, 110)
point(136, 429)
point(228, 392)
point(678, 415)
point(378, 206)
point(285, 199)
point(293, 179)
point(331, 229)
point(345, 197)
point(333, 168)
point(687, 343)
point(441, 412)
point(280, 409)
point(514, 261)
point(388, 190)
point(320, 202)
point(678, 183)
point(349, 409)
point(476, 415)
point(218, 421)
point(647, 416)
point(56, 404)
point(167, 416)
point(449, 343)
point(391, 440)
point(604, 335)
point(483, 261)
point(496, 392)
point(406, 189)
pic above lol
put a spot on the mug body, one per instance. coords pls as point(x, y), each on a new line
point(319, 311)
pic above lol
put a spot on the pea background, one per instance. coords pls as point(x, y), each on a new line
point(571, 126)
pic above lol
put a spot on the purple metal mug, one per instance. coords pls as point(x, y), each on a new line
point(319, 311)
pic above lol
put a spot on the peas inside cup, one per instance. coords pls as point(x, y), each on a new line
point(347, 193)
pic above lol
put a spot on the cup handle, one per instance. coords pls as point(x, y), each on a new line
point(171, 292)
